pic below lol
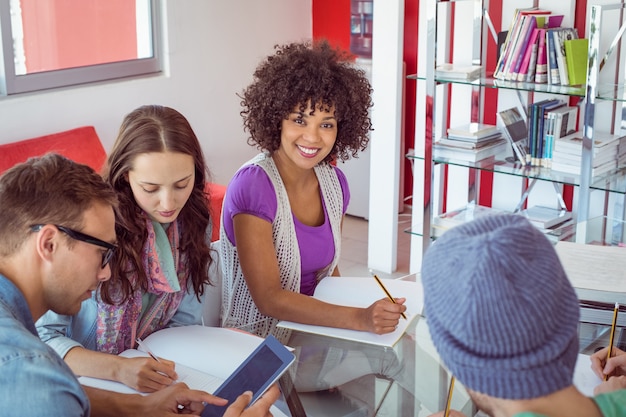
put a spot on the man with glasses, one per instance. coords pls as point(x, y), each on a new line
point(57, 236)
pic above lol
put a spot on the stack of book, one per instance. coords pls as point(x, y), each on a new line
point(471, 142)
point(557, 224)
point(450, 219)
point(567, 155)
point(449, 71)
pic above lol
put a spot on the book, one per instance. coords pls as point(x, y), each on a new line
point(516, 131)
point(453, 218)
point(194, 349)
point(596, 171)
point(529, 23)
point(576, 53)
point(465, 144)
point(548, 147)
point(541, 68)
point(531, 50)
point(502, 38)
point(363, 292)
point(458, 72)
point(473, 130)
point(546, 217)
point(536, 122)
point(512, 33)
point(553, 69)
point(560, 36)
point(539, 129)
point(470, 155)
point(565, 121)
point(574, 143)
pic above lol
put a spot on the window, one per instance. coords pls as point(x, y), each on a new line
point(56, 43)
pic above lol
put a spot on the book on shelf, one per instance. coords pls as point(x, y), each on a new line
point(576, 160)
point(496, 147)
point(501, 41)
point(458, 72)
point(565, 121)
point(452, 218)
point(596, 171)
point(473, 131)
point(602, 142)
point(465, 144)
point(541, 67)
point(562, 231)
point(544, 217)
point(560, 36)
point(529, 62)
point(576, 54)
point(511, 37)
point(516, 131)
point(528, 24)
point(204, 356)
point(363, 292)
point(537, 128)
point(553, 68)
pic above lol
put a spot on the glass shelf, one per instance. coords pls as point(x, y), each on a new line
point(614, 181)
point(490, 82)
point(609, 92)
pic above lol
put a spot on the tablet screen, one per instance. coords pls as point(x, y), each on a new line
point(260, 370)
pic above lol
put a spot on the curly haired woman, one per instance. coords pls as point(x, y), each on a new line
point(281, 227)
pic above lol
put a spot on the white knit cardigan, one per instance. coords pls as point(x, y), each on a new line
point(238, 308)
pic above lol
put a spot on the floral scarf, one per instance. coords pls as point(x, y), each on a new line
point(118, 326)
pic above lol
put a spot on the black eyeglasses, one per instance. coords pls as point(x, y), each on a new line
point(106, 255)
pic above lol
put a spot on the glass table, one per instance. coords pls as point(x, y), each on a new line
point(419, 389)
point(335, 377)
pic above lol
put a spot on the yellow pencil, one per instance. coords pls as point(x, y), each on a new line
point(449, 400)
point(393, 300)
point(611, 337)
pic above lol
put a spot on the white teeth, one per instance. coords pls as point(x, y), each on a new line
point(307, 151)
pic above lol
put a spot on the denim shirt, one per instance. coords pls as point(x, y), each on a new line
point(63, 333)
point(35, 381)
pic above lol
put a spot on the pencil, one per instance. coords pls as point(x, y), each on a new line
point(449, 400)
point(393, 300)
point(612, 336)
point(145, 347)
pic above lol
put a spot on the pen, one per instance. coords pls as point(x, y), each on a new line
point(449, 400)
point(146, 349)
point(608, 355)
point(387, 292)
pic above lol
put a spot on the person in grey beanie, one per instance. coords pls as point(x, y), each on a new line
point(503, 317)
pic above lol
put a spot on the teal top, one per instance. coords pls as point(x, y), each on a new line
point(611, 404)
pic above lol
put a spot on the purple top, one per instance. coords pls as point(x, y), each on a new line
point(251, 192)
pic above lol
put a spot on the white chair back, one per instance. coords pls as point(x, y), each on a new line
point(212, 302)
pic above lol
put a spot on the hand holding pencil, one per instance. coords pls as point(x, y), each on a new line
point(383, 316)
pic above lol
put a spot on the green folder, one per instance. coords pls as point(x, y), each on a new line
point(576, 53)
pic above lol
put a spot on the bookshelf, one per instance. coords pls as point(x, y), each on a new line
point(445, 184)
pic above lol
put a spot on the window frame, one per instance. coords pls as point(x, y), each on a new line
point(11, 84)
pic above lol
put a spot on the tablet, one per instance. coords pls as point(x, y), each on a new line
point(257, 373)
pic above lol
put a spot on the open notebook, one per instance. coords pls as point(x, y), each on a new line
point(362, 292)
point(205, 356)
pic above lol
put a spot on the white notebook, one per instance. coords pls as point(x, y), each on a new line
point(362, 292)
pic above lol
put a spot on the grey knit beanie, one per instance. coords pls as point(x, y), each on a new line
point(500, 309)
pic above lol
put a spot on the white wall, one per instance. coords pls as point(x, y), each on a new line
point(212, 49)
